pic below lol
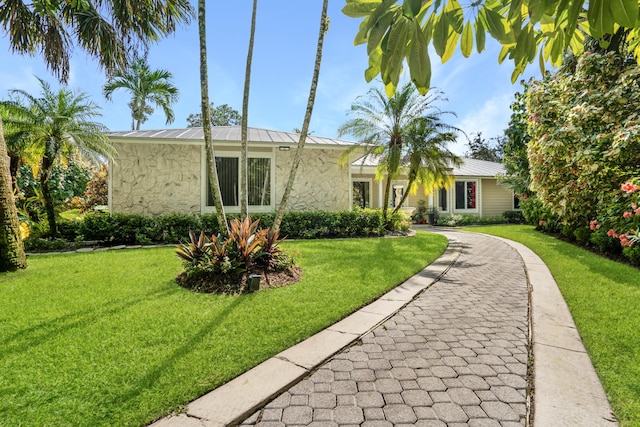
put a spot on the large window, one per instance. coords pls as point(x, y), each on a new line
point(466, 194)
point(397, 191)
point(442, 199)
point(258, 184)
point(361, 194)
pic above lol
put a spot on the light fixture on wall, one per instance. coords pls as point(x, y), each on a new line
point(284, 148)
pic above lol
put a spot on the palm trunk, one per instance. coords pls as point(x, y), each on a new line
point(404, 196)
point(12, 255)
point(49, 205)
point(14, 166)
point(385, 204)
point(244, 161)
point(206, 120)
point(324, 27)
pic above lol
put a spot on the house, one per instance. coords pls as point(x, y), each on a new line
point(165, 171)
point(474, 190)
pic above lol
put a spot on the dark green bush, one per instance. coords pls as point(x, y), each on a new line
point(604, 242)
point(514, 217)
point(174, 228)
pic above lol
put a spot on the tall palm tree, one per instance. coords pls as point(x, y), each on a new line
point(427, 160)
point(324, 27)
point(106, 30)
point(148, 87)
point(214, 183)
point(58, 124)
point(244, 161)
point(382, 125)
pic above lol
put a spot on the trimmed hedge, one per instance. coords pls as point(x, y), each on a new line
point(127, 229)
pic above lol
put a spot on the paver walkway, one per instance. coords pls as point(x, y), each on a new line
point(456, 355)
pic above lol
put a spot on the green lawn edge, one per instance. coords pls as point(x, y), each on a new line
point(107, 338)
point(604, 299)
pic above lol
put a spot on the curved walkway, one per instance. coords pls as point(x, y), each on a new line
point(454, 354)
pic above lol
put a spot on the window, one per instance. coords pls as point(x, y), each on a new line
point(361, 194)
point(465, 194)
point(258, 182)
point(442, 199)
point(516, 202)
point(397, 191)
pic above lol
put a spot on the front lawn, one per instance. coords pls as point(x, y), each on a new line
point(604, 299)
point(108, 338)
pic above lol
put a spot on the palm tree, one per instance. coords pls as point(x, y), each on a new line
point(206, 119)
point(148, 87)
point(382, 125)
point(324, 27)
point(427, 160)
point(17, 143)
point(58, 124)
point(244, 162)
point(106, 30)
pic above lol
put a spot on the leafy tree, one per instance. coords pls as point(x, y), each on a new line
point(515, 160)
point(324, 27)
point(481, 149)
point(97, 189)
point(148, 87)
point(206, 119)
point(244, 162)
point(584, 147)
point(428, 159)
point(527, 30)
point(58, 124)
point(223, 115)
point(105, 30)
point(383, 124)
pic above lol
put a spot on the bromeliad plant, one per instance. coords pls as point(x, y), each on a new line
point(223, 264)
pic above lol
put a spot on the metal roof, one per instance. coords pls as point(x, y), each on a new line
point(228, 133)
point(469, 167)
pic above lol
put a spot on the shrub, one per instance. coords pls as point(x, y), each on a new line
point(173, 228)
point(513, 217)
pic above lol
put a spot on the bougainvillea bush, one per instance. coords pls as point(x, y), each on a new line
point(585, 139)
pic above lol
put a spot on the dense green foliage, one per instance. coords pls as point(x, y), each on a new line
point(112, 341)
point(602, 296)
point(133, 229)
point(531, 30)
point(222, 115)
point(508, 217)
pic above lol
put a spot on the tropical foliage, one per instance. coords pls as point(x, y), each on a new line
point(530, 30)
point(222, 115)
point(404, 130)
point(107, 31)
point(58, 124)
point(489, 150)
point(147, 87)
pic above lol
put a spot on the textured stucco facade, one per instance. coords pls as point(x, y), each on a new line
point(320, 184)
point(158, 178)
point(153, 179)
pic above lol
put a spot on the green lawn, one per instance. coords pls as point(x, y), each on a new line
point(108, 338)
point(604, 299)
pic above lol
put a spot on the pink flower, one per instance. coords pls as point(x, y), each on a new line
point(592, 224)
point(634, 206)
point(637, 211)
point(624, 241)
point(627, 214)
point(612, 233)
point(629, 187)
point(541, 223)
point(598, 226)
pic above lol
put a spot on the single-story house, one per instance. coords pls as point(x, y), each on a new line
point(165, 171)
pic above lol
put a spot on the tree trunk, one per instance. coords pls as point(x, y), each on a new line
point(385, 204)
point(404, 196)
point(206, 120)
point(244, 161)
point(324, 27)
point(14, 167)
point(49, 205)
point(12, 255)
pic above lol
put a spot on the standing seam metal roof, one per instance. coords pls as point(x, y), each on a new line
point(229, 133)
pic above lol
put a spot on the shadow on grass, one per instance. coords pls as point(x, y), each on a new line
point(49, 329)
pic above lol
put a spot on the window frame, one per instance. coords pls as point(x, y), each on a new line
point(365, 180)
point(477, 196)
point(206, 208)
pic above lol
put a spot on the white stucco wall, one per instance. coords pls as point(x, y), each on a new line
point(320, 182)
point(153, 179)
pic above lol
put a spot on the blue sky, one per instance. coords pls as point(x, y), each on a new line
point(479, 90)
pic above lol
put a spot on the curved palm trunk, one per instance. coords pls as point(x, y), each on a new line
point(385, 204)
point(244, 161)
point(324, 26)
point(49, 205)
point(405, 195)
point(12, 255)
point(206, 120)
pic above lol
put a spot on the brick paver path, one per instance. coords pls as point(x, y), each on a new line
point(455, 356)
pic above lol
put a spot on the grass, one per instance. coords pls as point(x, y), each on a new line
point(604, 299)
point(107, 338)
